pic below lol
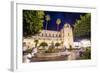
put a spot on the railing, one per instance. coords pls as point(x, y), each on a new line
point(47, 38)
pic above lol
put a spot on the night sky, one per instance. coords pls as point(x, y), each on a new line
point(66, 17)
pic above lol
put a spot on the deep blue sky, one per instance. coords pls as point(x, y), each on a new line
point(66, 17)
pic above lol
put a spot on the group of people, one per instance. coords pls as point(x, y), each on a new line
point(73, 54)
point(27, 56)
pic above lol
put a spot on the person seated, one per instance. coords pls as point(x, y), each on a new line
point(25, 47)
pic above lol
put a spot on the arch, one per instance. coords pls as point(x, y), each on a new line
point(67, 26)
point(46, 34)
point(52, 35)
point(49, 35)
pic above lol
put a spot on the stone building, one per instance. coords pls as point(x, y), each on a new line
point(64, 36)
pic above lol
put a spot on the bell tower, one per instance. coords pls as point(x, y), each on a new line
point(67, 36)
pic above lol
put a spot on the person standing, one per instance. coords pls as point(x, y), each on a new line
point(34, 51)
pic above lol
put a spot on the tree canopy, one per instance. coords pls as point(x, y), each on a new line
point(32, 22)
point(82, 26)
point(57, 44)
point(43, 44)
point(36, 42)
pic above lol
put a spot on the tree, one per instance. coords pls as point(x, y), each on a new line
point(32, 22)
point(47, 17)
point(58, 21)
point(57, 44)
point(36, 42)
point(47, 20)
point(82, 27)
point(43, 44)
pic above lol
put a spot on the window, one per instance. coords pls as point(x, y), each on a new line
point(68, 26)
point(59, 35)
point(46, 34)
point(49, 35)
point(53, 35)
point(56, 35)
